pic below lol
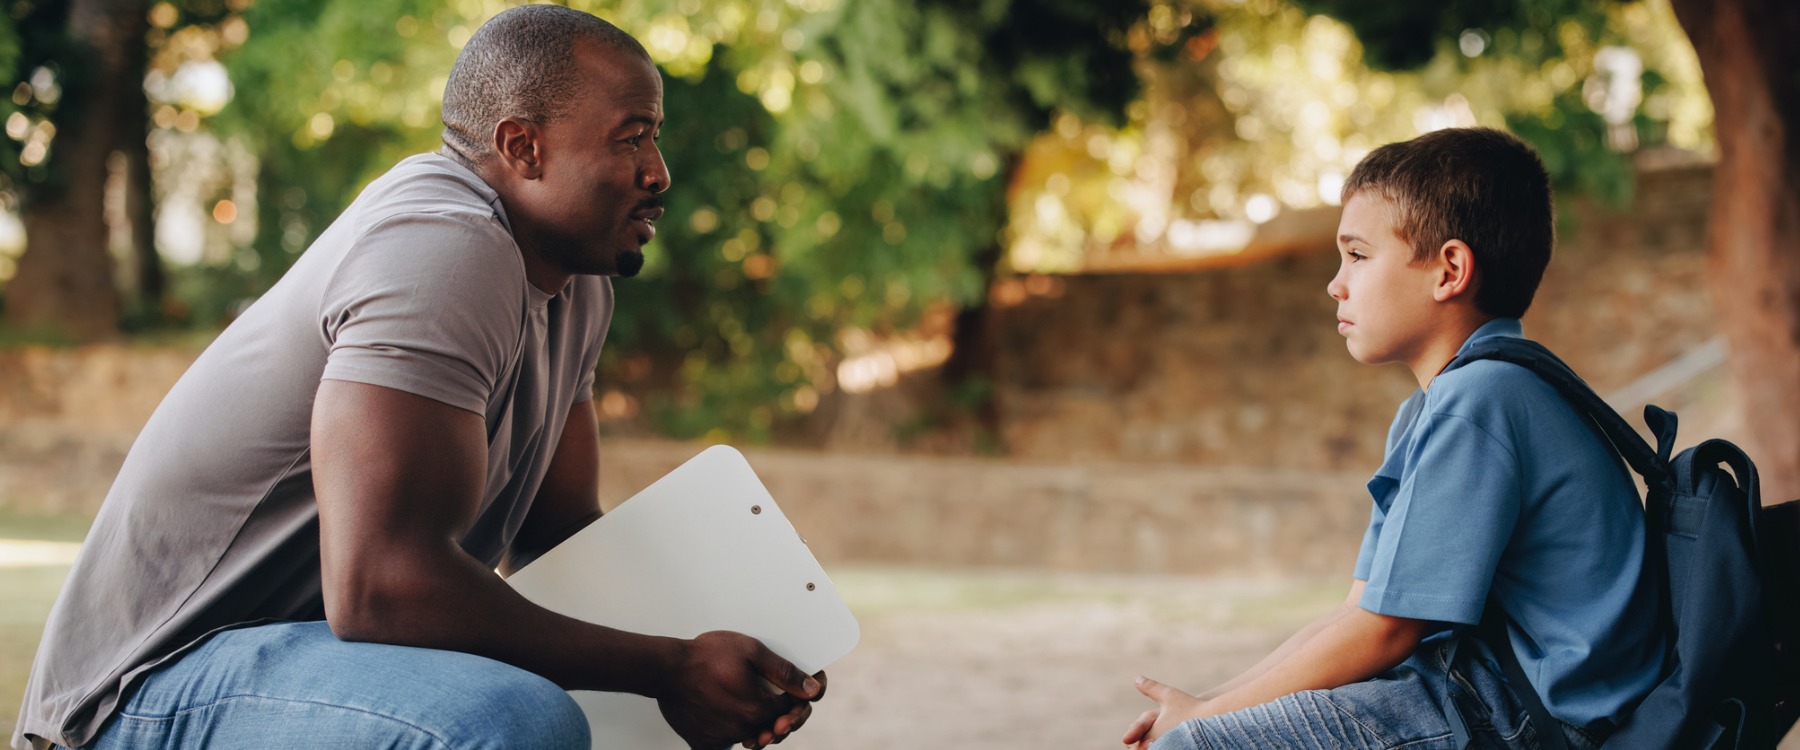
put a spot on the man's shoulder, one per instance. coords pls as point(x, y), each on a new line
point(429, 184)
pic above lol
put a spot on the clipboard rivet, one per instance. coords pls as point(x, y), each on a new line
point(810, 586)
point(755, 510)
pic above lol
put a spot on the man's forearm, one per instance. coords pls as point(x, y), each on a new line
point(454, 603)
point(525, 548)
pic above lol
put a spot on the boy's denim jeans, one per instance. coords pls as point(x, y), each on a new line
point(1400, 709)
point(290, 685)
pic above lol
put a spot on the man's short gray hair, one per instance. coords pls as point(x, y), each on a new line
point(518, 64)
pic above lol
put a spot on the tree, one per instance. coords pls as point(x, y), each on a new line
point(65, 279)
point(1748, 60)
point(1748, 57)
point(839, 167)
point(870, 153)
point(79, 117)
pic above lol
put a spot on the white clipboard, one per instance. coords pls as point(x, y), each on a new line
point(704, 548)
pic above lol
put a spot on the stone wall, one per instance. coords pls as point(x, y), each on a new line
point(1243, 366)
point(1199, 423)
point(990, 512)
point(67, 417)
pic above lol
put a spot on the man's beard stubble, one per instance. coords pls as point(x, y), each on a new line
point(629, 263)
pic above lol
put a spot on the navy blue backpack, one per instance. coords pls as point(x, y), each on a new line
point(1733, 583)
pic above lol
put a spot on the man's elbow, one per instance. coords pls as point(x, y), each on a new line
point(368, 608)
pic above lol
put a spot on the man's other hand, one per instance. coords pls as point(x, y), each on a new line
point(717, 696)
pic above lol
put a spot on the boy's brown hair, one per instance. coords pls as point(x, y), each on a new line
point(1479, 185)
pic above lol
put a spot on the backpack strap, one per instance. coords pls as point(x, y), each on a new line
point(1493, 631)
point(1714, 452)
point(1549, 728)
point(1652, 465)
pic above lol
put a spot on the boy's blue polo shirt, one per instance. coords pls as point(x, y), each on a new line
point(1494, 486)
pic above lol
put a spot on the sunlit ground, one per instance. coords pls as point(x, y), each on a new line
point(35, 553)
point(947, 659)
point(1006, 659)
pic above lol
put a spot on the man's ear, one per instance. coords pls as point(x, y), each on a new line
point(518, 148)
point(1453, 271)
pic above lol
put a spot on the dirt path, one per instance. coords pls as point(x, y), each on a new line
point(1033, 661)
point(961, 659)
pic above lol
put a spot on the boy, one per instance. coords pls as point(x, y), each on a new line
point(1493, 490)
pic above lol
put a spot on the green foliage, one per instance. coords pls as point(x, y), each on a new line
point(1407, 35)
point(1537, 35)
point(836, 166)
point(34, 36)
point(1570, 138)
point(329, 96)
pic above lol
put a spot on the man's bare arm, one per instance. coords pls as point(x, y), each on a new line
point(569, 498)
point(399, 479)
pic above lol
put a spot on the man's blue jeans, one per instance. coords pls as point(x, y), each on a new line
point(289, 685)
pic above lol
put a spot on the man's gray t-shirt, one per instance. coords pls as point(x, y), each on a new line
point(212, 521)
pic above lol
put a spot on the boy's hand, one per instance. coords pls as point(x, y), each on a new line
point(1173, 707)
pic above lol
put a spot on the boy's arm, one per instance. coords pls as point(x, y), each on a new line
point(1292, 643)
point(1349, 645)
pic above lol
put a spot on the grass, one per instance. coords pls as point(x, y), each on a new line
point(26, 593)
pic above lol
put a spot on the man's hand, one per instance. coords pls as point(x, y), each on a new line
point(789, 722)
point(1173, 707)
point(717, 694)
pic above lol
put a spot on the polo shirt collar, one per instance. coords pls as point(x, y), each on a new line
point(1496, 327)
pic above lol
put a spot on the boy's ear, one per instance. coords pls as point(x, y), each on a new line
point(1454, 271)
point(518, 148)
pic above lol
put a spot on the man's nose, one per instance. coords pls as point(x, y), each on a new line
point(655, 177)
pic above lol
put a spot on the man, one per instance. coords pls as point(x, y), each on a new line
point(300, 548)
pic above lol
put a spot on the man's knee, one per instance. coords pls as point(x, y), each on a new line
point(509, 707)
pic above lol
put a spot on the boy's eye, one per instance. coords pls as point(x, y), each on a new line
point(1355, 256)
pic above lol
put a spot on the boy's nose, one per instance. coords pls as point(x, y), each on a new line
point(1336, 288)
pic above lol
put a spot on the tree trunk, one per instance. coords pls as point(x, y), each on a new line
point(972, 348)
point(65, 281)
point(1749, 59)
point(140, 202)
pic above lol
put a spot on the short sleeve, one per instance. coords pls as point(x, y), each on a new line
point(584, 390)
point(1451, 516)
point(1365, 556)
point(428, 304)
